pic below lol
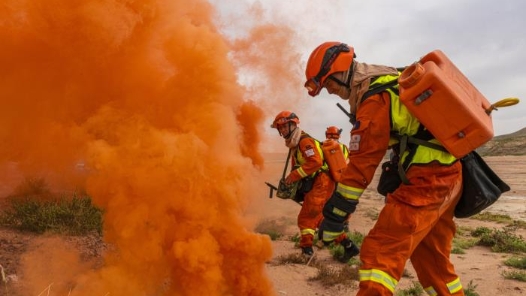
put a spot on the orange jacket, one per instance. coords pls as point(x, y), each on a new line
point(369, 141)
point(308, 156)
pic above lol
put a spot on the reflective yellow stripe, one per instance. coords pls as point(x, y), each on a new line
point(454, 286)
point(325, 166)
point(345, 151)
point(329, 236)
point(339, 212)
point(431, 291)
point(302, 172)
point(378, 276)
point(308, 231)
point(349, 192)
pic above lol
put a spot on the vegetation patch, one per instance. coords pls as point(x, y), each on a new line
point(34, 208)
point(517, 275)
point(74, 215)
point(294, 258)
point(273, 228)
point(470, 289)
point(499, 218)
point(517, 262)
point(414, 290)
point(331, 276)
point(500, 241)
point(337, 250)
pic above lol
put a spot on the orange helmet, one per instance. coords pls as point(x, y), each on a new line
point(284, 117)
point(333, 132)
point(327, 59)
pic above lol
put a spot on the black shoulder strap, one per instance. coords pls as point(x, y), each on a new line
point(380, 88)
point(405, 141)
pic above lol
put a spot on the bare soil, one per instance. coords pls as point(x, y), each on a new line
point(479, 265)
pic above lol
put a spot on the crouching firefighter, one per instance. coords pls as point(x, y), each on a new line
point(308, 168)
point(416, 222)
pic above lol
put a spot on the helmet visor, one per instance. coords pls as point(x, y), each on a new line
point(313, 86)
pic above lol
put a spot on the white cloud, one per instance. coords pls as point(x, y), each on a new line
point(484, 38)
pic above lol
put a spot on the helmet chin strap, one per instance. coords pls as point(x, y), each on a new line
point(347, 76)
point(290, 132)
point(340, 83)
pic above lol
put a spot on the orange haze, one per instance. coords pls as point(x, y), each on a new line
point(138, 103)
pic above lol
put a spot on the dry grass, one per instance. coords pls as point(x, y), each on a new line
point(273, 228)
point(294, 258)
point(332, 276)
point(328, 275)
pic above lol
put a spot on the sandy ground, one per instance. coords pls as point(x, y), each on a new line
point(478, 265)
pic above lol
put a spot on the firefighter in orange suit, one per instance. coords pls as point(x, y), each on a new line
point(334, 133)
point(416, 222)
point(306, 161)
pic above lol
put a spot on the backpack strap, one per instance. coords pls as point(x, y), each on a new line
point(381, 88)
point(420, 138)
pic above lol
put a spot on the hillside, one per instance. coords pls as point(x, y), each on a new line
point(509, 144)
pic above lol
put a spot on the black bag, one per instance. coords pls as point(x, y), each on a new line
point(304, 186)
point(389, 178)
point(482, 187)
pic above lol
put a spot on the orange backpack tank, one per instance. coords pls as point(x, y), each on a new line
point(446, 103)
point(333, 155)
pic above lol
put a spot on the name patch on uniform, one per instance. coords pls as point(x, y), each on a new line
point(309, 151)
point(354, 144)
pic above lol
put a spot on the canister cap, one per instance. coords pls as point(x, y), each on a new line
point(411, 75)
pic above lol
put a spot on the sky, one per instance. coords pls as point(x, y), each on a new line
point(484, 39)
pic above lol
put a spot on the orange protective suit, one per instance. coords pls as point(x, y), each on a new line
point(307, 160)
point(417, 220)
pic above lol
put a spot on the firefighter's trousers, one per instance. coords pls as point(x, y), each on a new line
point(416, 223)
point(310, 215)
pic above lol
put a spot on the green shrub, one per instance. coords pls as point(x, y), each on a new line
point(356, 237)
point(516, 262)
point(337, 250)
point(75, 215)
point(470, 289)
point(415, 290)
point(503, 241)
point(515, 275)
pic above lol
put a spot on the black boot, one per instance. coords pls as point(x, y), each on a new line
point(307, 251)
point(349, 250)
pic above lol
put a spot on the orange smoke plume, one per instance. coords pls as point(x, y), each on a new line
point(138, 102)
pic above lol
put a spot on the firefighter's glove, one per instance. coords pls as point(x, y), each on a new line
point(292, 177)
point(337, 209)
